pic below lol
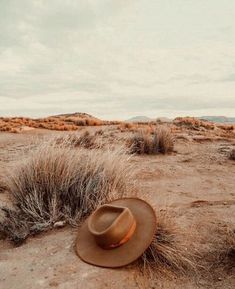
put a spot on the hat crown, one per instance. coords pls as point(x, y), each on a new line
point(111, 226)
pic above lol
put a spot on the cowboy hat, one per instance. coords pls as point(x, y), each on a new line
point(116, 234)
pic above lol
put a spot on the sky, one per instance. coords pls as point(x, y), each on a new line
point(117, 58)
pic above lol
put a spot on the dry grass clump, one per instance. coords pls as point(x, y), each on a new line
point(142, 143)
point(232, 155)
point(164, 140)
point(161, 141)
point(171, 251)
point(202, 251)
point(60, 183)
point(218, 250)
point(85, 140)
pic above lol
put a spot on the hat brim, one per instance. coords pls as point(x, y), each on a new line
point(88, 250)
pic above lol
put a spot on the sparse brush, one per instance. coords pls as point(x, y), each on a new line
point(14, 225)
point(171, 251)
point(141, 143)
point(164, 140)
point(60, 183)
point(218, 250)
point(85, 140)
point(232, 155)
point(161, 141)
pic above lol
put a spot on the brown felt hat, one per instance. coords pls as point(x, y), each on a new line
point(116, 234)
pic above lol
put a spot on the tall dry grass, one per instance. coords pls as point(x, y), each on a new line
point(160, 141)
point(164, 140)
point(218, 247)
point(171, 252)
point(201, 251)
point(61, 183)
point(84, 139)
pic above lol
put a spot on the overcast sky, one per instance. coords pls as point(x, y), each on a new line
point(117, 58)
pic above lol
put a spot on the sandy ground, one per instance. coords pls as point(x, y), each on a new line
point(196, 182)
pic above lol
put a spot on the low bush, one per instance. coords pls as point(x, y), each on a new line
point(164, 140)
point(161, 141)
point(60, 183)
point(171, 251)
point(85, 140)
point(218, 247)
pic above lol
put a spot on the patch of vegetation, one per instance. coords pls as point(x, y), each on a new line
point(160, 141)
point(85, 140)
point(58, 182)
point(171, 251)
point(66, 122)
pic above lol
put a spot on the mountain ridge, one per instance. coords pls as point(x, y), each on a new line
point(219, 118)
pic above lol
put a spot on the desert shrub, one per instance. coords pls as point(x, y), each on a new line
point(141, 143)
point(171, 251)
point(164, 140)
point(85, 140)
point(232, 155)
point(218, 247)
point(60, 183)
point(161, 141)
point(198, 251)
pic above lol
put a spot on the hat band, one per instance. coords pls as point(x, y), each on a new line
point(126, 238)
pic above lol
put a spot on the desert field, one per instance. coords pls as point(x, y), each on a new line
point(185, 170)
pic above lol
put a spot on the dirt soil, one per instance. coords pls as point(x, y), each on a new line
point(196, 182)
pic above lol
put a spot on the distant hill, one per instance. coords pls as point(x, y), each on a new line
point(222, 119)
point(140, 118)
point(164, 119)
point(75, 114)
point(143, 118)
